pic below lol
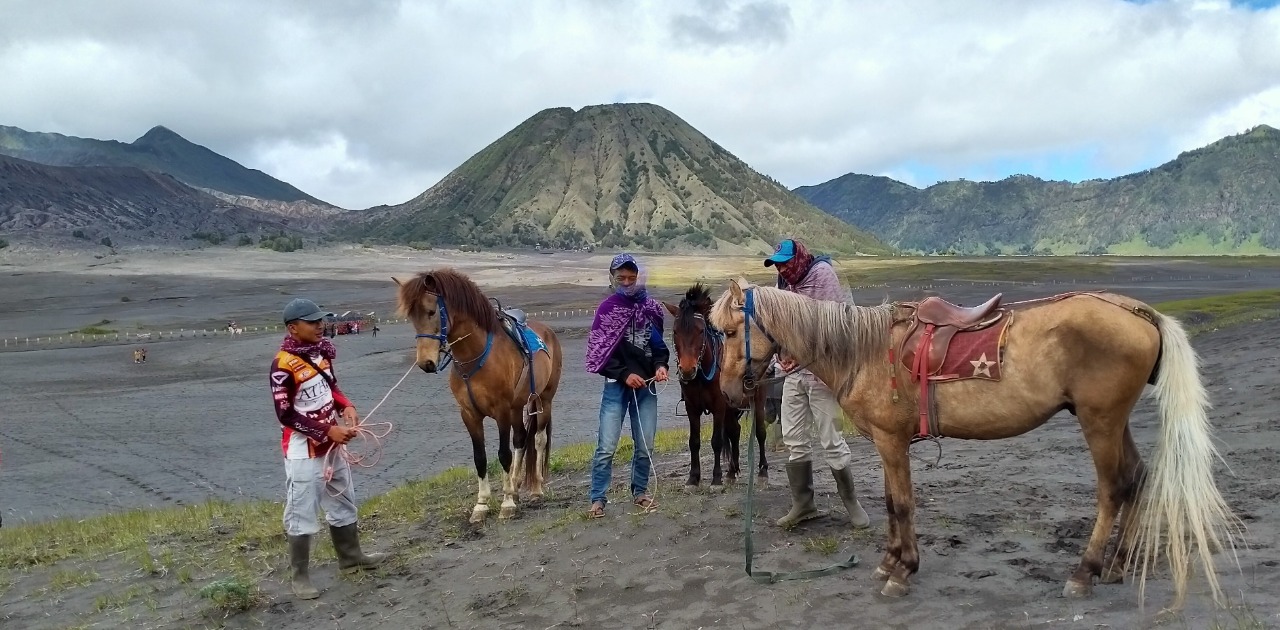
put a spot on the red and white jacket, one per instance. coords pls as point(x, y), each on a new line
point(306, 404)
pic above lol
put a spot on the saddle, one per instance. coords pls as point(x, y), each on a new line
point(933, 325)
point(516, 324)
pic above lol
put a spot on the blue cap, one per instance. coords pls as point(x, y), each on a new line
point(305, 310)
point(786, 251)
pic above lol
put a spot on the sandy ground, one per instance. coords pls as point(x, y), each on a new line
point(86, 431)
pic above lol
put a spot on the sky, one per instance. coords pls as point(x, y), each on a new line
point(369, 102)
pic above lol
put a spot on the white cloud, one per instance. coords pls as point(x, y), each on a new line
point(364, 103)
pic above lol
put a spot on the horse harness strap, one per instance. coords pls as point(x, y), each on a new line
point(749, 313)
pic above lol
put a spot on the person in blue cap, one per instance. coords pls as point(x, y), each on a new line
point(315, 417)
point(810, 412)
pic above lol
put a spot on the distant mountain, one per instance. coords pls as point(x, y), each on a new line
point(622, 175)
point(120, 203)
point(159, 150)
point(1223, 198)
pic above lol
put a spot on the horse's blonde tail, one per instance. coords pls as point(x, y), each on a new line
point(1180, 512)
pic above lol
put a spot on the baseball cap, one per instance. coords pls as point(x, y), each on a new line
point(786, 251)
point(304, 309)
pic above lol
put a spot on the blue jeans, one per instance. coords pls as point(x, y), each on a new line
point(642, 406)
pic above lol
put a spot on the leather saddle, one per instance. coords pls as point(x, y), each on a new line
point(934, 323)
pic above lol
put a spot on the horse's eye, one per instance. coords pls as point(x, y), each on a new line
point(730, 333)
point(431, 313)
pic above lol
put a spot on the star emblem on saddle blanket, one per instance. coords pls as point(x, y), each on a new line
point(982, 367)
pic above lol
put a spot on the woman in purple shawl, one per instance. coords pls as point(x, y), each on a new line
point(626, 348)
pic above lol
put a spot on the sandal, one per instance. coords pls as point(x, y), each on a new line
point(646, 502)
point(597, 510)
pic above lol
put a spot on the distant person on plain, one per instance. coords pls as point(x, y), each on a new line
point(810, 412)
point(308, 405)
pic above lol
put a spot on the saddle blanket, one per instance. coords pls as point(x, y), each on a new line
point(532, 342)
point(975, 354)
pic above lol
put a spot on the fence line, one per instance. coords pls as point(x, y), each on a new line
point(183, 333)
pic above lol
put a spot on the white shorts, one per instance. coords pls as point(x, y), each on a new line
point(307, 492)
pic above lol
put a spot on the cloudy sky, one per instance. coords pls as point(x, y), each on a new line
point(366, 102)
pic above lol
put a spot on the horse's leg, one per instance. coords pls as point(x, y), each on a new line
point(511, 462)
point(893, 546)
point(900, 500)
point(1132, 471)
point(541, 442)
point(694, 411)
point(1131, 474)
point(515, 420)
point(732, 438)
point(475, 428)
point(717, 447)
point(1104, 431)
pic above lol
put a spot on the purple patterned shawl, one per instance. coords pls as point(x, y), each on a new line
point(612, 318)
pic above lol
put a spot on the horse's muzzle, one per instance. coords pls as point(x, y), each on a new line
point(428, 366)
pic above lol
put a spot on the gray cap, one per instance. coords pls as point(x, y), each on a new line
point(304, 309)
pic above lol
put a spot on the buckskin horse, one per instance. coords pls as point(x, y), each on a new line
point(500, 371)
point(697, 346)
point(1087, 353)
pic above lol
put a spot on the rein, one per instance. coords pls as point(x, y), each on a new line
point(749, 382)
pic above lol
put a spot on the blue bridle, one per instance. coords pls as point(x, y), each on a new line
point(716, 337)
point(443, 338)
point(749, 313)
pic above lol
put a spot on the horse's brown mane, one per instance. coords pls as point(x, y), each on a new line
point(696, 300)
point(462, 297)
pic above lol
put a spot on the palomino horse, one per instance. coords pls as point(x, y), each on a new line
point(697, 345)
point(491, 378)
point(1090, 354)
point(140, 355)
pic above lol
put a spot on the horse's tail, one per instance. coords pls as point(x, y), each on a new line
point(1180, 512)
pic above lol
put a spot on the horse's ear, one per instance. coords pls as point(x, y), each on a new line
point(735, 289)
point(397, 281)
point(671, 309)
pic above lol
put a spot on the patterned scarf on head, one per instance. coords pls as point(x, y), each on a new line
point(798, 267)
point(324, 348)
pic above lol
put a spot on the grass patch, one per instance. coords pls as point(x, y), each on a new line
point(1203, 314)
point(821, 545)
point(68, 579)
point(231, 595)
point(95, 329)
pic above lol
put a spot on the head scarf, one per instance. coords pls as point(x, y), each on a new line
point(618, 311)
point(798, 267)
point(324, 348)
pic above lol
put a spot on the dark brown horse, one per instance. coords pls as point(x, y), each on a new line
point(1089, 354)
point(490, 378)
point(697, 347)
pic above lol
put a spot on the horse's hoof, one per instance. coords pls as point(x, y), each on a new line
point(1111, 576)
point(478, 515)
point(507, 512)
point(894, 588)
point(691, 488)
point(1076, 590)
point(880, 574)
point(717, 488)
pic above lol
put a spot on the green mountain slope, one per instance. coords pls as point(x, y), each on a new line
point(623, 175)
point(1223, 198)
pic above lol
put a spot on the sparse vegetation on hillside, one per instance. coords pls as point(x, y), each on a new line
point(281, 243)
point(1223, 198)
point(631, 175)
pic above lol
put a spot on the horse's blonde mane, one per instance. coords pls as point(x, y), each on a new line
point(848, 336)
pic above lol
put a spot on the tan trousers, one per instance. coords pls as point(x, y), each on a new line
point(810, 415)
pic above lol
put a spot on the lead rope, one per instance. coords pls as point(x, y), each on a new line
point(366, 432)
